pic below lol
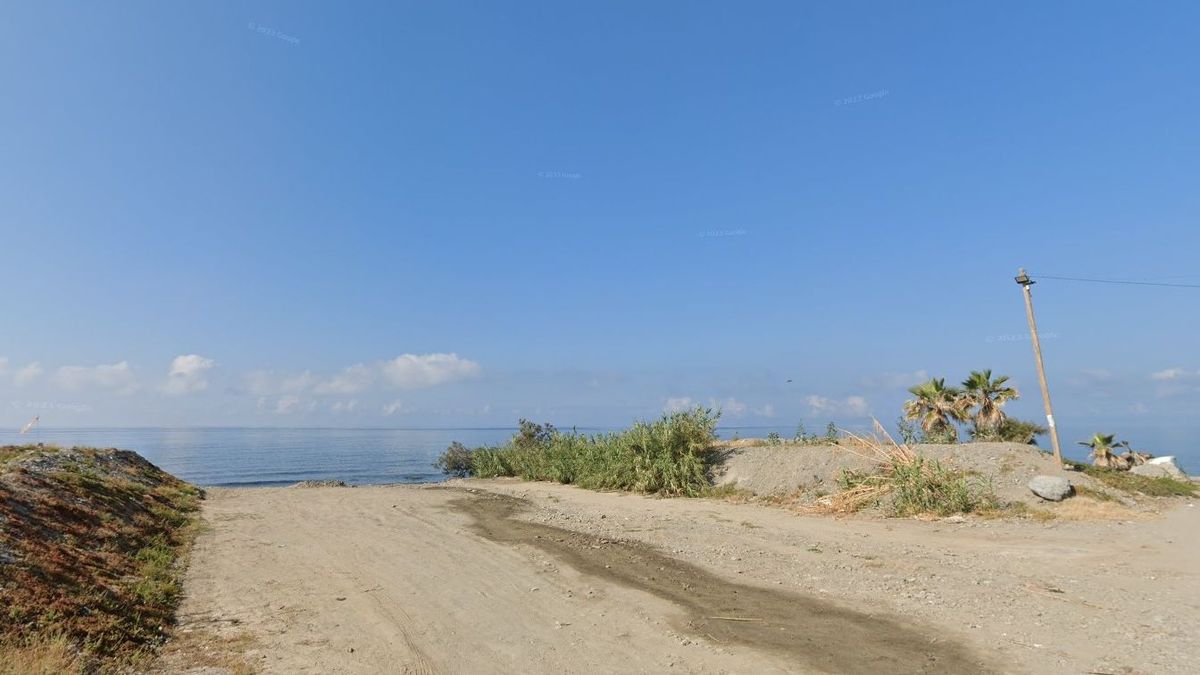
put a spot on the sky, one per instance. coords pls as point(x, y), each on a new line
point(464, 213)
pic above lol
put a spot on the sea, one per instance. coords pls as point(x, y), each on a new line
point(250, 457)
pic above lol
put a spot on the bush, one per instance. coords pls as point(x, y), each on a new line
point(945, 436)
point(774, 439)
point(804, 438)
point(455, 461)
point(668, 456)
point(489, 463)
point(831, 434)
point(924, 486)
point(908, 483)
point(1012, 431)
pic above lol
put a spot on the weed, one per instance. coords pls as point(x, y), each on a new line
point(730, 492)
point(831, 434)
point(12, 452)
point(1162, 486)
point(1016, 510)
point(1098, 495)
point(911, 483)
point(804, 438)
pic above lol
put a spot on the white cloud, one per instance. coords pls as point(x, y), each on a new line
point(117, 377)
point(3, 365)
point(1169, 374)
point(730, 406)
point(351, 380)
point(1139, 408)
point(411, 371)
point(896, 380)
point(344, 406)
point(188, 374)
point(286, 404)
point(855, 406)
point(678, 404)
point(407, 371)
point(396, 407)
point(27, 374)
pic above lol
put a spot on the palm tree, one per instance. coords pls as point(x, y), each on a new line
point(936, 407)
point(1102, 450)
point(1133, 457)
point(989, 396)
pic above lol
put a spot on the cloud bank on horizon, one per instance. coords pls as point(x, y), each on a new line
point(446, 388)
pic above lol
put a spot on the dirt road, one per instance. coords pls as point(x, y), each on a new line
point(508, 577)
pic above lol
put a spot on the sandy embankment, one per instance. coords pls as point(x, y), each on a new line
point(538, 578)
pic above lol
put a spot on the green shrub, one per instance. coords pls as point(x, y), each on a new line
point(912, 485)
point(489, 462)
point(908, 431)
point(669, 455)
point(774, 439)
point(804, 438)
point(1012, 431)
point(831, 434)
point(455, 461)
point(925, 486)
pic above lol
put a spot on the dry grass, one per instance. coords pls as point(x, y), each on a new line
point(1081, 508)
point(1134, 484)
point(1019, 510)
point(43, 657)
point(12, 452)
point(203, 648)
point(910, 483)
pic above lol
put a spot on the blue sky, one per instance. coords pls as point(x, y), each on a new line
point(464, 213)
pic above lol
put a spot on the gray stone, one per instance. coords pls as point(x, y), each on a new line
point(1160, 467)
point(1052, 488)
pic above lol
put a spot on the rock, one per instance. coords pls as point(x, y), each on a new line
point(320, 484)
point(1160, 467)
point(1052, 488)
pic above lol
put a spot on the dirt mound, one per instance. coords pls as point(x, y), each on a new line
point(88, 540)
point(790, 468)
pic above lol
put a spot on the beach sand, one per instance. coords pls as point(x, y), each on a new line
point(512, 577)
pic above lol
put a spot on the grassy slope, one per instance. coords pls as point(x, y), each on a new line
point(89, 540)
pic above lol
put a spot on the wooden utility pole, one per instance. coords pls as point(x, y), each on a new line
point(1025, 282)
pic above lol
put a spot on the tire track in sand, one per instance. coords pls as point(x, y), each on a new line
point(802, 629)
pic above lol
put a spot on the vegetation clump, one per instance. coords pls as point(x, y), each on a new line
point(1157, 486)
point(90, 542)
point(935, 412)
point(906, 483)
point(802, 436)
point(1102, 455)
point(670, 456)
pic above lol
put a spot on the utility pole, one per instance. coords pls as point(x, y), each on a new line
point(1025, 282)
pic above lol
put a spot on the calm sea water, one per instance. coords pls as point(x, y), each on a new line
point(258, 457)
point(272, 456)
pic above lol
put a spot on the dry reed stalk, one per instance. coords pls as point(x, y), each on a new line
point(887, 454)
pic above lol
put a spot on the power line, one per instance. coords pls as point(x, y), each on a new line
point(1117, 281)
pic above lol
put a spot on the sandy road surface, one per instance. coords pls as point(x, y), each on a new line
point(514, 577)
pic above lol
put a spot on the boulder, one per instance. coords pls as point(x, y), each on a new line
point(1052, 488)
point(1160, 467)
